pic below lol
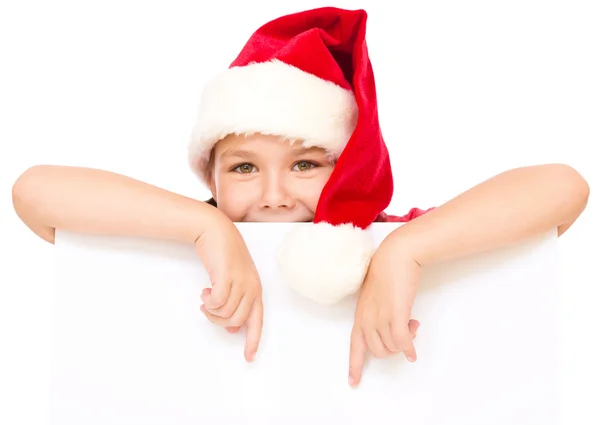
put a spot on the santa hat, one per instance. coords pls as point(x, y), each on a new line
point(307, 76)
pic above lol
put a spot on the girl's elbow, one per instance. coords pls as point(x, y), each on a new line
point(27, 185)
point(574, 191)
point(27, 194)
point(577, 188)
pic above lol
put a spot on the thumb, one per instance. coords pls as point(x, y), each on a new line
point(218, 274)
point(358, 352)
point(220, 290)
point(413, 326)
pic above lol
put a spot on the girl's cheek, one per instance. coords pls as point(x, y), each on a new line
point(310, 192)
point(235, 199)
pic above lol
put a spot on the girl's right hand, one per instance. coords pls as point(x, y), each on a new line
point(235, 298)
point(99, 202)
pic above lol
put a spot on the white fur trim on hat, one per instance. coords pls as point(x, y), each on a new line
point(273, 98)
point(325, 263)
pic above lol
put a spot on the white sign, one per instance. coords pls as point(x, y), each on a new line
point(131, 347)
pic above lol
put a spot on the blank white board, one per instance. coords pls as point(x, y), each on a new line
point(131, 347)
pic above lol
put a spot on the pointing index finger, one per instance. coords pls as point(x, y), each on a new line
point(254, 330)
point(358, 351)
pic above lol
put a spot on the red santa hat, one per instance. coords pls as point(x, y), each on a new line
point(307, 76)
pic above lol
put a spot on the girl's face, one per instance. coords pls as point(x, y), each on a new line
point(261, 178)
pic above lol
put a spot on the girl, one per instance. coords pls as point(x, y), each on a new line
point(290, 133)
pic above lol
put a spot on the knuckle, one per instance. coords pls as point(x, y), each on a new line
point(382, 315)
point(236, 322)
point(368, 319)
point(399, 341)
point(255, 286)
point(399, 335)
point(379, 354)
point(219, 299)
point(360, 312)
point(225, 313)
point(393, 346)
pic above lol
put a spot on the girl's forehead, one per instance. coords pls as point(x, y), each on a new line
point(262, 147)
point(261, 142)
point(253, 138)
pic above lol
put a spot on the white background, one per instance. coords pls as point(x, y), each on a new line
point(466, 89)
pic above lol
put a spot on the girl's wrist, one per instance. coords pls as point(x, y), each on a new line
point(211, 219)
point(404, 245)
point(204, 219)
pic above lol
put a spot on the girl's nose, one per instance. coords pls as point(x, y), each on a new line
point(275, 195)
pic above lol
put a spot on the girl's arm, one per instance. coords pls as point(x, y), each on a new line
point(508, 208)
point(505, 209)
point(103, 203)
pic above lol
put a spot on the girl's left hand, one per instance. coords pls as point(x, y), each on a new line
point(382, 322)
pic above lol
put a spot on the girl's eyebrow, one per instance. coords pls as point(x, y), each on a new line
point(239, 153)
point(301, 150)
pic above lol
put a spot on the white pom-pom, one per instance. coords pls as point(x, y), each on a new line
point(325, 263)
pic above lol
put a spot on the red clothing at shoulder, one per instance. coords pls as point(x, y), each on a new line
point(412, 214)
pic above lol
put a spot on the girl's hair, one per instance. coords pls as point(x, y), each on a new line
point(208, 175)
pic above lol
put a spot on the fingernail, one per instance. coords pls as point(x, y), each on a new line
point(410, 358)
point(351, 381)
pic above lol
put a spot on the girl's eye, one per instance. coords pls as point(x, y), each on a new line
point(244, 168)
point(304, 166)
